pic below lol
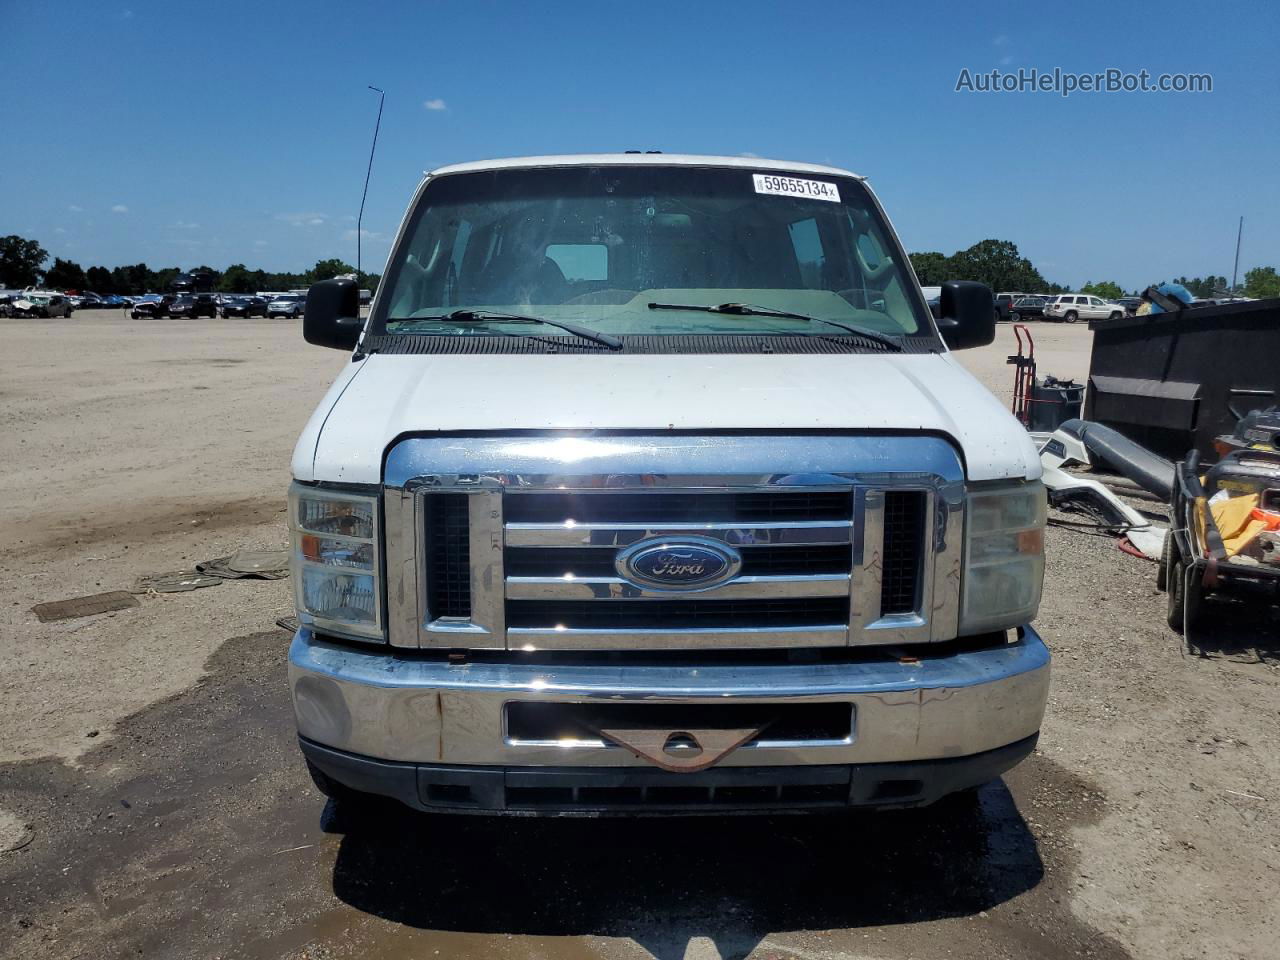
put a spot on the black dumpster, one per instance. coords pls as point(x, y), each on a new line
point(1174, 381)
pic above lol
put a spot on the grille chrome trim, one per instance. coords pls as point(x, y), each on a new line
point(615, 588)
point(801, 532)
point(496, 468)
point(540, 638)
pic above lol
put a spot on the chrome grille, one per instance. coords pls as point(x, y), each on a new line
point(844, 541)
point(565, 591)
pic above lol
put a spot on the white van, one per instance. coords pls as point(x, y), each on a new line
point(652, 486)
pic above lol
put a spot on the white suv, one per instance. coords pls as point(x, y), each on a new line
point(1080, 306)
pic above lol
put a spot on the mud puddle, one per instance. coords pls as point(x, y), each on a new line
point(196, 833)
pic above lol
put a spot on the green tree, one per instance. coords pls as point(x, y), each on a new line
point(99, 280)
point(159, 280)
point(237, 278)
point(932, 268)
point(1104, 289)
point(1261, 283)
point(21, 261)
point(1209, 286)
point(998, 264)
point(65, 275)
point(327, 270)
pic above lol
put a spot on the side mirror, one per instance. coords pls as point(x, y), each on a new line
point(331, 317)
point(967, 314)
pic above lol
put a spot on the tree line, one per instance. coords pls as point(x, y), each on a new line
point(996, 263)
point(22, 264)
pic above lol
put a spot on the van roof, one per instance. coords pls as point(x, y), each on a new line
point(642, 159)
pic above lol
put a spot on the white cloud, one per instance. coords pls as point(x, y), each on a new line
point(59, 230)
point(310, 219)
point(1000, 39)
point(748, 153)
point(74, 209)
point(259, 243)
point(184, 225)
point(1006, 60)
point(126, 14)
point(435, 104)
point(365, 235)
point(119, 208)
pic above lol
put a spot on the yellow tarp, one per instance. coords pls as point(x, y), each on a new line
point(1232, 517)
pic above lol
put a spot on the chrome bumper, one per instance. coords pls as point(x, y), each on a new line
point(407, 708)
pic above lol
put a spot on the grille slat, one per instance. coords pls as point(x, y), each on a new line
point(598, 561)
point(690, 506)
point(671, 615)
point(448, 555)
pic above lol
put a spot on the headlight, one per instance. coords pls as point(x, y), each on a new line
point(1004, 557)
point(334, 561)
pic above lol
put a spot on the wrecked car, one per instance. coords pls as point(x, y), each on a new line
point(653, 487)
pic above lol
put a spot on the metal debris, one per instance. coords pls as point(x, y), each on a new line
point(251, 564)
point(84, 606)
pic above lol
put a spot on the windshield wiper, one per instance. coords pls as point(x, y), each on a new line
point(747, 310)
point(493, 316)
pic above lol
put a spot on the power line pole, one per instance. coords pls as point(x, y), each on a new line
point(360, 219)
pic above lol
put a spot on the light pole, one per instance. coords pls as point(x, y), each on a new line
point(1235, 271)
point(360, 219)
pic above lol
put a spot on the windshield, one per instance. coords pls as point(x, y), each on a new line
point(598, 245)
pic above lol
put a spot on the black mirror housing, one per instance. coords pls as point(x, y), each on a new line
point(331, 317)
point(967, 314)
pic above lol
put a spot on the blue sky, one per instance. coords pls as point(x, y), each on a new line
point(179, 133)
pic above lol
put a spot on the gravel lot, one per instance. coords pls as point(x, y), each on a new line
point(149, 778)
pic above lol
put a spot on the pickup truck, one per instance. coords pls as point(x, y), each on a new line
point(653, 487)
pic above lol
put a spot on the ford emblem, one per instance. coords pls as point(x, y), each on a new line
point(687, 563)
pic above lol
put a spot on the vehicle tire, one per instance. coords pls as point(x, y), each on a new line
point(133, 315)
point(1115, 315)
point(1193, 606)
point(1162, 571)
point(1071, 316)
point(1177, 596)
point(1015, 317)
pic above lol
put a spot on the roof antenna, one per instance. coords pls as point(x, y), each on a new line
point(360, 219)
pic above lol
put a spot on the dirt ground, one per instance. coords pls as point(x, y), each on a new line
point(150, 783)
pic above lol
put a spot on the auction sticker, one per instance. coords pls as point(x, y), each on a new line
point(793, 187)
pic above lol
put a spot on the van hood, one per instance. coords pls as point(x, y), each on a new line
point(386, 396)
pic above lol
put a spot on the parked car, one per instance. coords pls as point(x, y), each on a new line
point(193, 305)
point(1071, 307)
point(152, 306)
point(1130, 304)
point(1026, 308)
point(289, 305)
point(244, 305)
point(1004, 304)
point(42, 305)
point(680, 560)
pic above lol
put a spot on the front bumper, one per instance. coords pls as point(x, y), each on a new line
point(593, 791)
point(370, 707)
